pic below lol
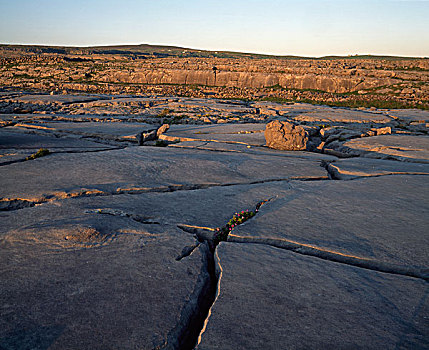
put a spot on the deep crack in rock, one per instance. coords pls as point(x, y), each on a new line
point(195, 317)
point(193, 314)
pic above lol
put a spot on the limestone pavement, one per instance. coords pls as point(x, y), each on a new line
point(109, 241)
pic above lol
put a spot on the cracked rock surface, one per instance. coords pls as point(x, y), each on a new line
point(109, 242)
point(274, 299)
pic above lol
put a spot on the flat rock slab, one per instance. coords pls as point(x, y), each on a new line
point(347, 169)
point(12, 156)
point(16, 145)
point(58, 99)
point(44, 117)
point(384, 219)
point(248, 134)
point(248, 149)
point(104, 130)
point(103, 272)
point(399, 147)
point(144, 168)
point(411, 115)
point(80, 280)
point(342, 115)
point(13, 138)
point(273, 299)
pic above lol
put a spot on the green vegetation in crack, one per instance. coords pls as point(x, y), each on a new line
point(40, 153)
point(221, 233)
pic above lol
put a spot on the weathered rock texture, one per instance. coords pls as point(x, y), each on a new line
point(286, 136)
point(107, 242)
point(380, 81)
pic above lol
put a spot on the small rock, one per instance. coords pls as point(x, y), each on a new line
point(384, 131)
point(162, 129)
point(152, 135)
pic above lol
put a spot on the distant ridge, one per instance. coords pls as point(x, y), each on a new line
point(147, 50)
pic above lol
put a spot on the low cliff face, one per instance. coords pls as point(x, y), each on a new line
point(331, 82)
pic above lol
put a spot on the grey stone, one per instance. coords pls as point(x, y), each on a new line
point(399, 147)
point(78, 279)
point(143, 168)
point(383, 219)
point(269, 298)
point(347, 169)
point(246, 134)
point(104, 244)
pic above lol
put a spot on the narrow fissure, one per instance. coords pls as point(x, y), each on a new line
point(335, 174)
point(196, 313)
point(194, 325)
point(8, 204)
point(309, 250)
point(331, 175)
point(69, 151)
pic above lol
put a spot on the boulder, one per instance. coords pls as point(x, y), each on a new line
point(286, 136)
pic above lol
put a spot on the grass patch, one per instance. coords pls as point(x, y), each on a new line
point(40, 153)
point(379, 104)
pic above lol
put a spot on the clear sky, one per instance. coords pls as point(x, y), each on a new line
point(285, 27)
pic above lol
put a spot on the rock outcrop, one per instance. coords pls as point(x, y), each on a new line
point(286, 136)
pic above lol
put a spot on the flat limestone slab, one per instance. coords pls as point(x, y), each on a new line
point(142, 168)
point(46, 117)
point(249, 134)
point(342, 115)
point(381, 219)
point(274, 299)
point(79, 271)
point(411, 115)
point(12, 138)
point(110, 131)
point(248, 149)
point(93, 128)
point(12, 156)
point(399, 147)
point(58, 99)
point(347, 169)
point(76, 279)
point(16, 145)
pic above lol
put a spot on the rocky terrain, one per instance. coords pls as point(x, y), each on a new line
point(356, 81)
point(120, 232)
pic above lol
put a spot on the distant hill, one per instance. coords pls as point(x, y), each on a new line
point(146, 50)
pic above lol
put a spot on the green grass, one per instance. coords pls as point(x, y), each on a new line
point(40, 153)
point(379, 104)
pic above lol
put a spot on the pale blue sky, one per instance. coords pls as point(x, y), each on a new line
point(285, 27)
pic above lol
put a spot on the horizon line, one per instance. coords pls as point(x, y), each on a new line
point(214, 50)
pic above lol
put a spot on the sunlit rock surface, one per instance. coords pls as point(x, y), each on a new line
point(109, 242)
